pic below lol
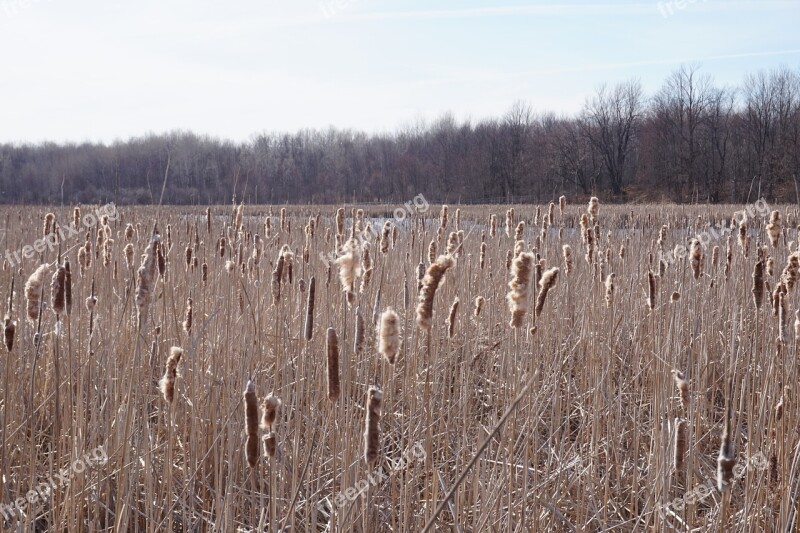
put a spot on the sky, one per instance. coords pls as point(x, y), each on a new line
point(103, 71)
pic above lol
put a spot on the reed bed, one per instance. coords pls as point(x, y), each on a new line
point(268, 368)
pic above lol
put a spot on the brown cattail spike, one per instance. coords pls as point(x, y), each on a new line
point(372, 430)
point(332, 349)
point(251, 423)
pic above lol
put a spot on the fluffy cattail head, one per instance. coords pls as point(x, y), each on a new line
point(372, 435)
point(547, 282)
point(389, 335)
point(167, 382)
point(270, 410)
point(33, 293)
point(517, 297)
point(682, 387)
point(187, 320)
point(430, 283)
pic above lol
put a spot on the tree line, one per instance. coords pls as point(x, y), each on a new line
point(691, 141)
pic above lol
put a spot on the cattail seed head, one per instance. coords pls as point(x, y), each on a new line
point(187, 320)
point(389, 335)
point(251, 424)
point(680, 444)
point(758, 284)
point(517, 297)
point(58, 290)
point(360, 333)
point(547, 282)
point(430, 284)
point(308, 329)
point(372, 426)
point(270, 410)
point(451, 318)
point(33, 293)
point(479, 302)
point(332, 349)
point(9, 330)
point(167, 382)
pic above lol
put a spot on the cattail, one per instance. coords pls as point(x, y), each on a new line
point(443, 217)
point(251, 426)
point(548, 221)
point(33, 293)
point(593, 208)
point(187, 320)
point(609, 290)
point(783, 317)
point(590, 239)
point(129, 255)
point(562, 204)
point(349, 267)
point(222, 244)
point(651, 292)
point(567, 252)
point(680, 443)
point(57, 291)
point(129, 232)
point(482, 256)
point(208, 220)
point(758, 284)
point(420, 275)
point(451, 318)
point(774, 228)
point(743, 238)
point(146, 276)
point(662, 236)
point(770, 266)
point(791, 271)
point(48, 224)
point(696, 255)
point(683, 388)
point(547, 282)
point(517, 297)
point(366, 268)
point(430, 284)
point(389, 335)
point(359, 337)
point(277, 275)
point(270, 409)
point(479, 302)
point(76, 217)
point(520, 231)
point(167, 383)
point(332, 349)
point(308, 330)
point(270, 444)
point(493, 226)
point(509, 221)
point(386, 237)
point(340, 221)
point(728, 256)
point(372, 426)
point(9, 330)
point(161, 259)
point(715, 256)
point(432, 251)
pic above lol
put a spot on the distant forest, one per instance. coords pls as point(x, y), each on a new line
point(691, 141)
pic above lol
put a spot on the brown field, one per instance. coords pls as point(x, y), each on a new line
point(571, 421)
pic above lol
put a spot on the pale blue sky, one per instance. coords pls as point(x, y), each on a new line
point(103, 70)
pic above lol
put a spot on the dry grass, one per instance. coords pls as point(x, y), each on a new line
point(641, 380)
